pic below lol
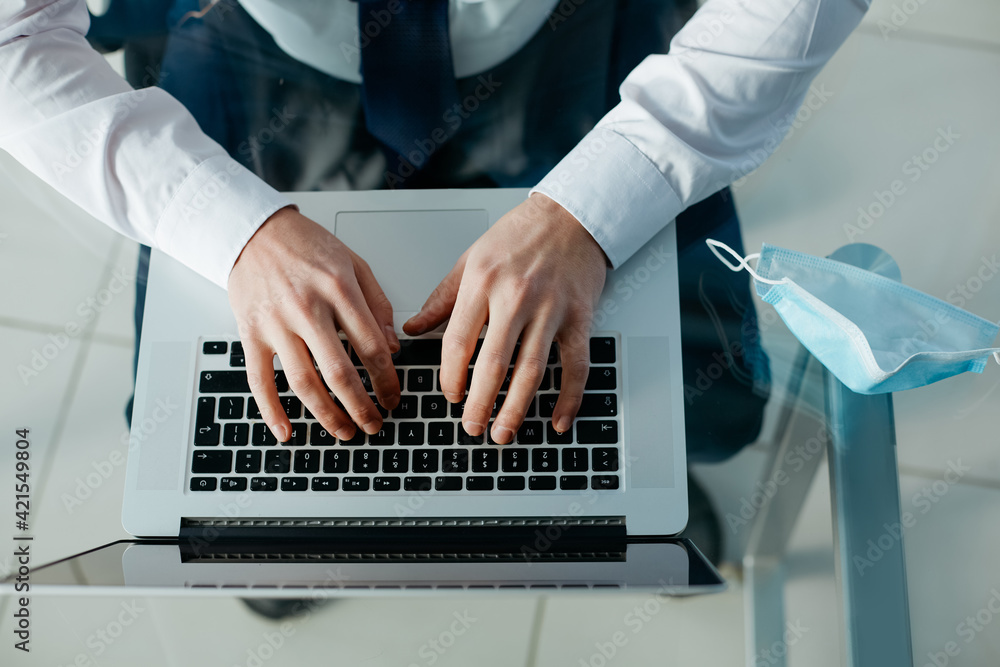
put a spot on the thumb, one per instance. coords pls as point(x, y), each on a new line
point(439, 304)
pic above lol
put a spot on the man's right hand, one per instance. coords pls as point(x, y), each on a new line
point(293, 287)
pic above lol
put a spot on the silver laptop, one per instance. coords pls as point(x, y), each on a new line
point(201, 460)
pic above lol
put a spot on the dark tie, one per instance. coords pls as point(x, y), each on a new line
point(408, 76)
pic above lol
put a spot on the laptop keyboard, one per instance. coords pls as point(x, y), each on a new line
point(421, 446)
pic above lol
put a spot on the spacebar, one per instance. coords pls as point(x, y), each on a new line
point(224, 382)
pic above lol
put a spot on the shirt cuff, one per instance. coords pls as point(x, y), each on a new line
point(213, 214)
point(615, 191)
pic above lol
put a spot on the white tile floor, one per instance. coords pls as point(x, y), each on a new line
point(891, 93)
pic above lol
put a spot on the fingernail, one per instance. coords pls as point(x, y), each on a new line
point(280, 432)
point(502, 434)
point(390, 336)
point(371, 427)
point(345, 433)
point(452, 397)
point(563, 424)
point(474, 428)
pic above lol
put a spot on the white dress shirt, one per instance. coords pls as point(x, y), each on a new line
point(688, 124)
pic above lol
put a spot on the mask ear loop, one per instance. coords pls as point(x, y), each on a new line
point(744, 263)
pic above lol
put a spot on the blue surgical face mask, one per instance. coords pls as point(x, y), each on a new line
point(874, 333)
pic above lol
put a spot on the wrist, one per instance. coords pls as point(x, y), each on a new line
point(553, 211)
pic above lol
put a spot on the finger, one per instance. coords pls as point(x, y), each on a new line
point(369, 343)
point(459, 341)
point(377, 302)
point(574, 355)
point(528, 371)
point(439, 304)
point(491, 368)
point(304, 380)
point(260, 376)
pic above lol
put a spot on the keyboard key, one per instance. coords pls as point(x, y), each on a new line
point(320, 436)
point(236, 435)
point(607, 482)
point(248, 461)
point(510, 483)
point(425, 460)
point(277, 461)
point(365, 460)
point(205, 414)
point(396, 461)
point(407, 408)
point(416, 483)
point(602, 350)
point(214, 347)
point(411, 433)
point(207, 435)
point(497, 404)
point(544, 460)
point(605, 459)
point(479, 483)
point(264, 484)
point(203, 483)
point(420, 379)
point(597, 379)
point(574, 459)
point(357, 439)
point(262, 437)
point(433, 407)
point(418, 352)
point(253, 412)
point(223, 382)
point(237, 360)
point(441, 433)
point(306, 461)
point(298, 435)
point(553, 354)
point(292, 406)
point(447, 483)
point(530, 433)
point(466, 439)
point(335, 460)
point(230, 407)
point(378, 406)
point(294, 483)
point(212, 462)
point(596, 432)
point(386, 484)
point(573, 482)
point(385, 436)
point(542, 482)
point(356, 483)
point(485, 460)
point(458, 409)
point(553, 437)
point(280, 381)
point(455, 460)
point(546, 381)
point(325, 484)
point(237, 347)
point(547, 404)
point(515, 460)
point(598, 405)
point(233, 484)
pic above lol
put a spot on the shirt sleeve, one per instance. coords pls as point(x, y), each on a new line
point(134, 159)
point(694, 120)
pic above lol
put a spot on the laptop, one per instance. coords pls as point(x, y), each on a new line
point(203, 469)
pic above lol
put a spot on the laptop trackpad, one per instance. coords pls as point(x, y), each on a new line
point(410, 252)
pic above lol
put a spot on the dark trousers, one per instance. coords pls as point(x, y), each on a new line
point(300, 129)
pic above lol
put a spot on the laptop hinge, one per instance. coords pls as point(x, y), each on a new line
point(531, 537)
